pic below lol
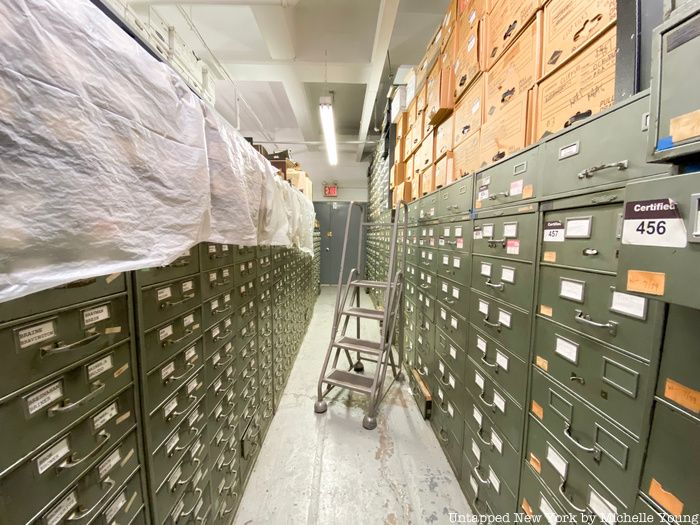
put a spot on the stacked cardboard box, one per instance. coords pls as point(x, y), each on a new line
point(497, 76)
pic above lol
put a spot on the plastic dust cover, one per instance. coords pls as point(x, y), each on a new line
point(103, 162)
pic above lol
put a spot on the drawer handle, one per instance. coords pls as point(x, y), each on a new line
point(72, 462)
point(216, 284)
point(481, 438)
point(81, 512)
point(579, 379)
point(595, 450)
point(562, 492)
point(179, 263)
point(452, 243)
point(267, 333)
point(204, 518)
point(483, 360)
point(584, 318)
point(253, 372)
point(178, 413)
point(225, 510)
point(491, 405)
point(449, 300)
point(252, 394)
point(483, 481)
point(186, 481)
point(497, 286)
point(222, 364)
point(168, 304)
point(497, 325)
point(444, 440)
point(170, 379)
point(589, 172)
point(588, 252)
point(71, 346)
point(179, 339)
point(222, 310)
point(499, 194)
point(217, 256)
point(223, 335)
point(198, 494)
point(96, 389)
point(230, 488)
point(226, 465)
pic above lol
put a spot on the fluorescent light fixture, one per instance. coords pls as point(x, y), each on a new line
point(328, 125)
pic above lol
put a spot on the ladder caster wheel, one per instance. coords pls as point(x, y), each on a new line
point(320, 407)
point(400, 376)
point(359, 367)
point(369, 422)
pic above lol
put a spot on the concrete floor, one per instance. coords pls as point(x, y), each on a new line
point(325, 468)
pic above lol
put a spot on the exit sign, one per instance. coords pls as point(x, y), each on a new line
point(330, 190)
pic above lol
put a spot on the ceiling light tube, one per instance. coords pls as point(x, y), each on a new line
point(328, 125)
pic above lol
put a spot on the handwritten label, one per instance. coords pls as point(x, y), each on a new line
point(99, 367)
point(44, 397)
point(36, 334)
point(108, 464)
point(103, 417)
point(60, 511)
point(52, 456)
point(630, 305)
point(95, 315)
point(164, 293)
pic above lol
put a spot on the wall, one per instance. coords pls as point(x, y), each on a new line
point(344, 194)
point(351, 176)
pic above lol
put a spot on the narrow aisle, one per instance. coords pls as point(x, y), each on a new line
point(325, 468)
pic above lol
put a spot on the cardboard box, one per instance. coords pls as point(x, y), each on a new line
point(422, 99)
point(398, 104)
point(398, 152)
point(297, 178)
point(569, 25)
point(516, 72)
point(410, 85)
point(309, 190)
point(578, 89)
point(506, 21)
point(439, 94)
point(409, 145)
point(469, 60)
point(408, 172)
point(402, 192)
point(427, 181)
point(447, 58)
point(448, 24)
point(415, 188)
point(469, 113)
point(443, 138)
point(475, 9)
point(402, 126)
point(397, 174)
point(442, 170)
point(425, 155)
point(411, 114)
point(466, 156)
point(508, 132)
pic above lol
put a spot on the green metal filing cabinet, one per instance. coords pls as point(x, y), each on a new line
point(674, 120)
point(660, 251)
point(513, 180)
point(455, 199)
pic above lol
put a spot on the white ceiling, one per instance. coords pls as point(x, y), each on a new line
point(280, 60)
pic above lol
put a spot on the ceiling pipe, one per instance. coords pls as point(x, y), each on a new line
point(282, 3)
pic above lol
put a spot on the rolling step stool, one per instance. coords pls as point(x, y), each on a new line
point(347, 306)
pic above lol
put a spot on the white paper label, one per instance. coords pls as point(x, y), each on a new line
point(52, 456)
point(549, 513)
point(553, 232)
point(571, 290)
point(502, 360)
point(488, 230)
point(481, 343)
point(486, 269)
point(450, 409)
point(458, 231)
point(446, 260)
point(478, 417)
point(446, 232)
point(453, 322)
point(190, 354)
point(479, 380)
point(566, 349)
point(631, 305)
point(215, 332)
point(164, 293)
point(108, 464)
point(212, 248)
point(477, 103)
point(187, 286)
point(115, 507)
point(474, 485)
point(478, 234)
point(476, 451)
point(167, 370)
point(99, 367)
point(227, 298)
point(103, 417)
point(170, 407)
point(456, 262)
point(212, 277)
point(495, 482)
point(578, 228)
point(60, 511)
point(497, 442)
point(512, 247)
point(504, 318)
point(36, 334)
point(558, 462)
point(225, 273)
point(453, 352)
point(445, 287)
point(470, 44)
point(443, 314)
point(508, 275)
point(516, 188)
point(605, 510)
point(166, 332)
point(193, 417)
point(44, 397)
point(510, 230)
point(455, 293)
point(499, 402)
point(483, 307)
point(192, 385)
point(95, 315)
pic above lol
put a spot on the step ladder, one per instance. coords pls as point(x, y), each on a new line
point(334, 374)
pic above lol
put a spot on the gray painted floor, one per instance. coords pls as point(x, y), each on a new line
point(325, 468)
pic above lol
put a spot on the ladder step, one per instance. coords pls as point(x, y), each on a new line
point(359, 345)
point(369, 284)
point(345, 379)
point(367, 313)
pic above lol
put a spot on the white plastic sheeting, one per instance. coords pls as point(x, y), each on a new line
point(109, 163)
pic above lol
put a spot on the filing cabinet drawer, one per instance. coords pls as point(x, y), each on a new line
point(192, 507)
point(219, 398)
point(60, 462)
point(245, 253)
point(167, 339)
point(427, 235)
point(449, 386)
point(575, 488)
point(506, 324)
point(608, 452)
point(163, 380)
point(221, 359)
point(448, 426)
point(454, 265)
point(166, 417)
point(245, 271)
point(509, 236)
point(186, 476)
point(535, 499)
point(491, 398)
point(224, 479)
point(509, 281)
point(428, 259)
point(658, 262)
point(587, 238)
point(167, 300)
point(72, 293)
point(127, 507)
point(246, 312)
point(218, 335)
point(420, 392)
point(455, 198)
point(679, 374)
point(413, 212)
point(246, 333)
point(216, 308)
point(618, 385)
point(454, 296)
point(486, 493)
point(607, 149)
point(670, 476)
point(250, 446)
point(186, 264)
point(455, 236)
point(89, 495)
point(515, 179)
point(426, 305)
point(215, 281)
point(504, 368)
point(588, 303)
point(264, 281)
point(452, 324)
point(428, 207)
point(243, 292)
point(424, 361)
point(212, 255)
point(264, 264)
point(412, 273)
point(58, 403)
point(452, 354)
point(41, 346)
